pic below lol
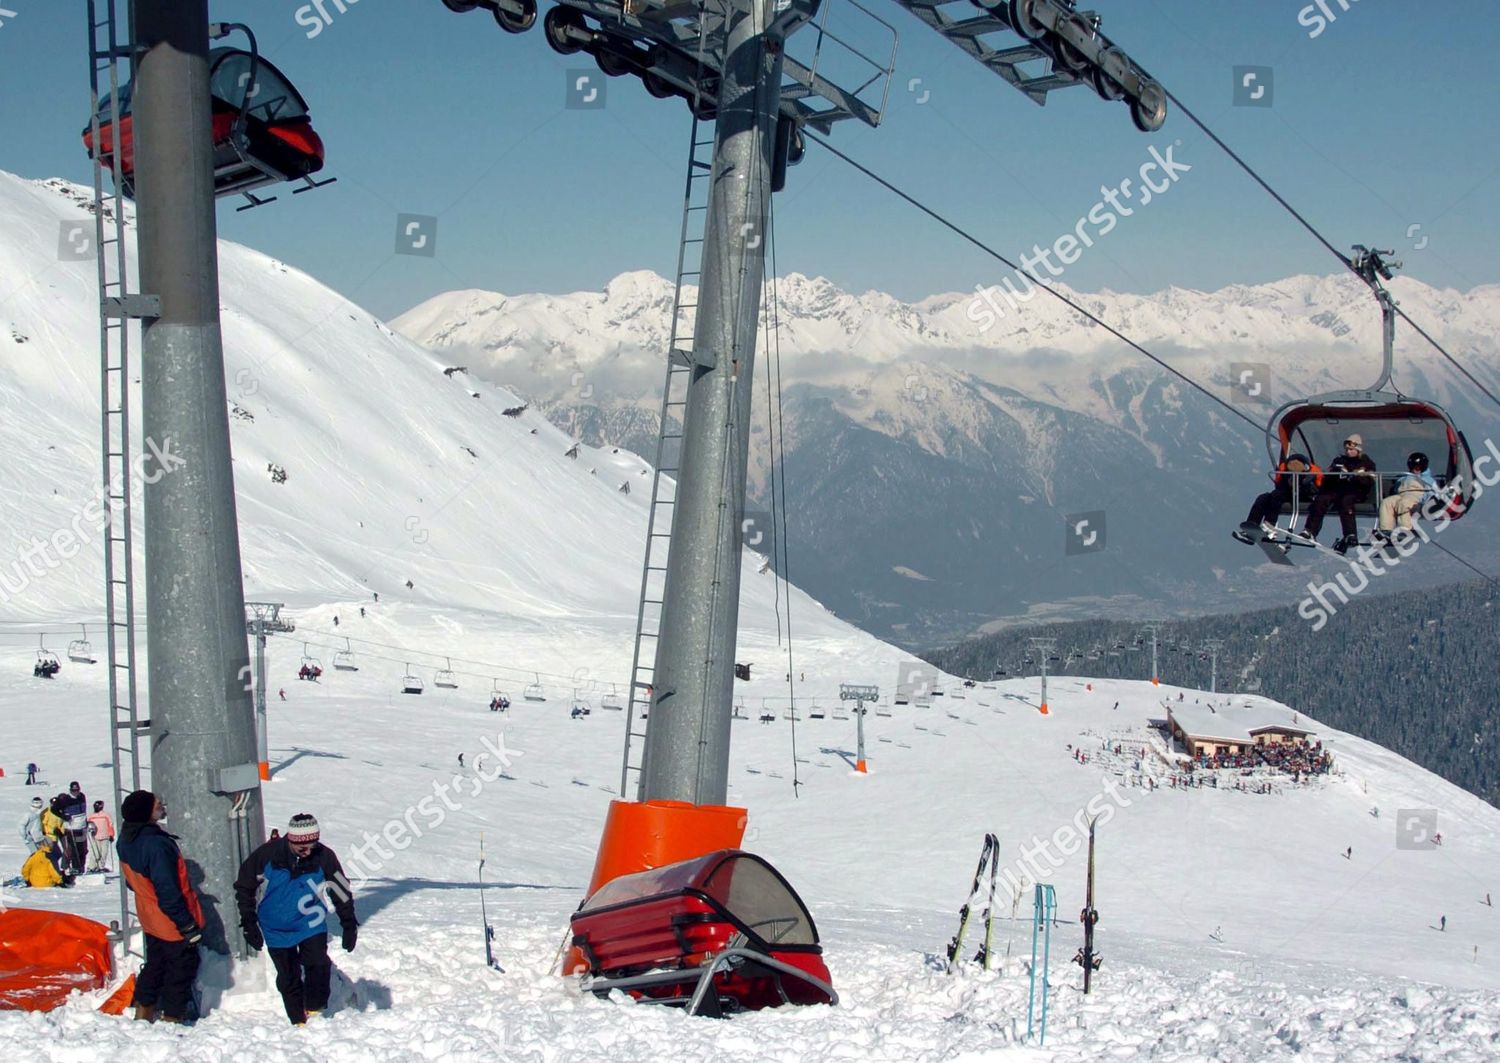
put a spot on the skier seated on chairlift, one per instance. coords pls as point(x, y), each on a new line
point(1267, 507)
point(1413, 493)
point(1346, 483)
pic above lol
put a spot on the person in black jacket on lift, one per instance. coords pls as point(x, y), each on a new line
point(1346, 483)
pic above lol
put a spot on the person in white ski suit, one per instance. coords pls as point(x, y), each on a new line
point(31, 827)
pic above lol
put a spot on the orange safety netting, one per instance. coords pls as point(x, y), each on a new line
point(44, 956)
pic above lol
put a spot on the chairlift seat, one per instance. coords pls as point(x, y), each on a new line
point(446, 680)
point(81, 652)
point(261, 130)
point(534, 692)
point(612, 702)
point(411, 684)
point(718, 934)
point(343, 661)
point(1391, 425)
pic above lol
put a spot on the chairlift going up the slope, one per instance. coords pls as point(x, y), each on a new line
point(80, 651)
point(311, 668)
point(445, 677)
point(1390, 427)
point(262, 134)
point(343, 660)
point(47, 665)
point(534, 691)
point(411, 683)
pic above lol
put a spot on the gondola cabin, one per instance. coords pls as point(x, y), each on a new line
point(262, 133)
point(1392, 427)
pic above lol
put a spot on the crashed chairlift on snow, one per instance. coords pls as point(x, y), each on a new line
point(716, 935)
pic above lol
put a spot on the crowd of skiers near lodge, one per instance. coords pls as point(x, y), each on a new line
point(283, 894)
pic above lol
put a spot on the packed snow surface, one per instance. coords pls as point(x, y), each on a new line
point(1236, 924)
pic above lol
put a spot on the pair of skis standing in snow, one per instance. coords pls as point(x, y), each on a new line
point(989, 862)
point(1345, 484)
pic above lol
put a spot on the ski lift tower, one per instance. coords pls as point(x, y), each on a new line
point(735, 64)
point(1212, 648)
point(202, 724)
point(1153, 629)
point(262, 619)
point(1043, 648)
point(859, 695)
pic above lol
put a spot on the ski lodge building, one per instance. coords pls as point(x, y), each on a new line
point(1208, 731)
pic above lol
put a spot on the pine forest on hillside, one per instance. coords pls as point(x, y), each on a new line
point(1416, 672)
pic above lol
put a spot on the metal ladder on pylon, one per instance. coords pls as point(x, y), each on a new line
point(680, 364)
point(118, 307)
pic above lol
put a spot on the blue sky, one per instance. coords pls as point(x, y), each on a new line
point(1378, 124)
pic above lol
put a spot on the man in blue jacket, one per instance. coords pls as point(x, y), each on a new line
point(284, 891)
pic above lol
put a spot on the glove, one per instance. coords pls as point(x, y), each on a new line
point(351, 934)
point(253, 936)
point(193, 935)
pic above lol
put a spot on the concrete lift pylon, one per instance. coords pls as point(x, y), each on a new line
point(728, 59)
point(202, 730)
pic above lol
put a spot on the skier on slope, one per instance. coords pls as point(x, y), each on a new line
point(76, 814)
point(283, 891)
point(31, 827)
point(101, 838)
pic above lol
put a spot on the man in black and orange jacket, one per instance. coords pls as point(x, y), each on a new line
point(167, 906)
point(1267, 507)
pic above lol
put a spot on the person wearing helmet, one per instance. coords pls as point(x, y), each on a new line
point(1413, 491)
point(1346, 483)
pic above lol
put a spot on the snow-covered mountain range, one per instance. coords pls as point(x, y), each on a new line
point(1005, 415)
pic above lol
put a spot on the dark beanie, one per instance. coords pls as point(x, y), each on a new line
point(137, 807)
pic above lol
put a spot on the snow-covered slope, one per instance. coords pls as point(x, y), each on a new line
point(395, 471)
point(524, 566)
point(1233, 927)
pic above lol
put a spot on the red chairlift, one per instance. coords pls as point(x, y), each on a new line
point(717, 934)
point(1392, 425)
point(262, 133)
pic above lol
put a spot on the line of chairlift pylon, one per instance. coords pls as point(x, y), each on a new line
point(310, 669)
